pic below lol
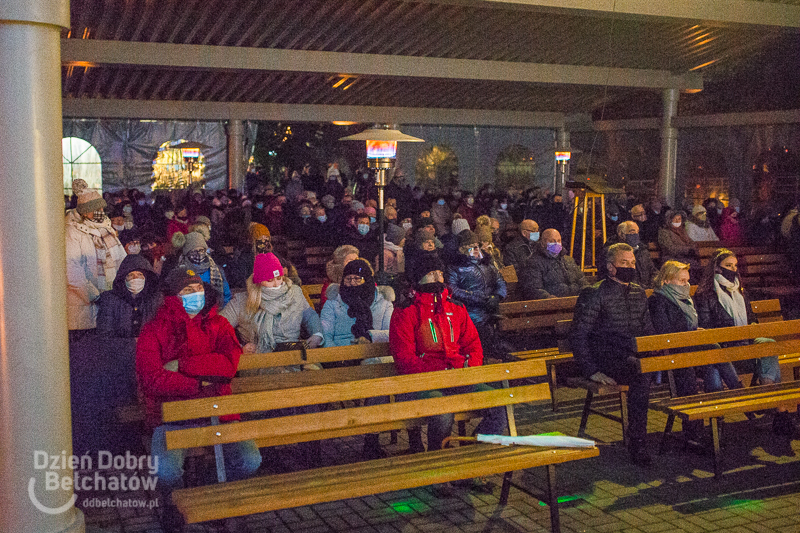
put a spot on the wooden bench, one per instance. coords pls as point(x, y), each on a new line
point(711, 407)
point(314, 294)
point(330, 483)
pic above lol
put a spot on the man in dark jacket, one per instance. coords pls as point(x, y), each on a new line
point(521, 247)
point(550, 272)
point(133, 300)
point(628, 232)
point(609, 315)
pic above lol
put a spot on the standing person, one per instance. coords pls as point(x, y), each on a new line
point(187, 351)
point(94, 254)
point(609, 315)
point(550, 272)
point(628, 232)
point(133, 300)
point(435, 333)
point(723, 302)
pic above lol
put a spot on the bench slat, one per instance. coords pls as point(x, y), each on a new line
point(353, 417)
point(317, 355)
point(309, 378)
point(339, 392)
point(338, 482)
point(766, 306)
point(534, 306)
point(533, 321)
point(714, 356)
point(734, 401)
point(710, 336)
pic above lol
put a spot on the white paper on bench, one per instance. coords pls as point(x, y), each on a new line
point(549, 441)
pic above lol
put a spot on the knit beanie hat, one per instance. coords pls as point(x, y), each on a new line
point(258, 231)
point(357, 206)
point(424, 235)
point(484, 233)
point(370, 211)
point(422, 265)
point(89, 201)
point(203, 220)
point(395, 234)
point(459, 225)
point(194, 241)
point(390, 212)
point(267, 267)
point(359, 267)
point(179, 278)
point(696, 210)
point(467, 238)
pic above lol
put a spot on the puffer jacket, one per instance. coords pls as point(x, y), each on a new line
point(608, 317)
point(122, 314)
point(472, 282)
point(543, 276)
point(426, 338)
point(172, 336)
point(645, 269)
point(518, 251)
point(337, 324)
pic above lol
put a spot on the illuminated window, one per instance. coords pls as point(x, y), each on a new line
point(178, 164)
point(707, 177)
point(438, 164)
point(80, 160)
point(515, 167)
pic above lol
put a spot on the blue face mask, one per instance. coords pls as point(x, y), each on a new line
point(193, 303)
point(440, 202)
point(260, 205)
point(363, 229)
point(305, 216)
point(534, 236)
point(372, 220)
point(613, 218)
point(322, 218)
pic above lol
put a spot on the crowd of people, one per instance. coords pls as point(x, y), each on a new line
point(194, 276)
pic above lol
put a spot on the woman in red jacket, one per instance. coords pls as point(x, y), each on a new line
point(188, 351)
point(435, 333)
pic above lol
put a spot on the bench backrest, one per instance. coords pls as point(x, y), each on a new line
point(536, 314)
point(317, 355)
point(351, 421)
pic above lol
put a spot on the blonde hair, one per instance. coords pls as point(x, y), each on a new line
point(668, 272)
point(254, 296)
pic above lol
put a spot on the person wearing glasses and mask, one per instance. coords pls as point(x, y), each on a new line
point(550, 272)
point(195, 256)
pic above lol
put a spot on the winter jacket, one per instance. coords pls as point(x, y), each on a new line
point(518, 251)
point(237, 266)
point(666, 316)
point(711, 314)
point(674, 247)
point(175, 226)
point(172, 336)
point(731, 229)
point(699, 233)
point(645, 269)
point(543, 276)
point(85, 279)
point(337, 324)
point(424, 338)
point(472, 282)
point(121, 314)
point(608, 317)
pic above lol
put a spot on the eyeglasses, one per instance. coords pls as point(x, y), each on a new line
point(353, 280)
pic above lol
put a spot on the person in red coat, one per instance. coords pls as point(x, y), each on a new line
point(435, 333)
point(188, 351)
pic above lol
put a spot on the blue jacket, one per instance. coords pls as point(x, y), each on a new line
point(336, 323)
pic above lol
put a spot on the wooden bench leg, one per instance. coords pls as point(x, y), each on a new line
point(506, 488)
point(623, 414)
point(552, 495)
point(393, 436)
point(462, 428)
point(667, 431)
point(796, 373)
point(587, 406)
point(717, 455)
point(553, 383)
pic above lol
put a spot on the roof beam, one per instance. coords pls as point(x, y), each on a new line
point(142, 54)
point(750, 12)
point(178, 110)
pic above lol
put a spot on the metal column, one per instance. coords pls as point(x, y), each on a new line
point(34, 359)
point(562, 168)
point(237, 165)
point(669, 147)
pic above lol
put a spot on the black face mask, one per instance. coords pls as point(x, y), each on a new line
point(263, 247)
point(197, 257)
point(625, 274)
point(359, 295)
point(728, 274)
point(632, 239)
point(434, 288)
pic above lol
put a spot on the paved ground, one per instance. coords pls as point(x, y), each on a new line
point(759, 491)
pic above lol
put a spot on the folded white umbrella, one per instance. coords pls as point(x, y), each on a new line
point(549, 441)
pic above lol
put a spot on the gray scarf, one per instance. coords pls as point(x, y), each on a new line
point(679, 295)
point(279, 315)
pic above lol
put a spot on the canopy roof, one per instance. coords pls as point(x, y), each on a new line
point(500, 62)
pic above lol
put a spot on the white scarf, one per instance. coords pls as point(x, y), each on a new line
point(108, 250)
point(731, 299)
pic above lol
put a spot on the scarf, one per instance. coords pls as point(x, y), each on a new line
point(684, 303)
point(358, 300)
point(278, 316)
point(731, 299)
point(109, 252)
point(215, 275)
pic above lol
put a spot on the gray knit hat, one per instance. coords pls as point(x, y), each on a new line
point(395, 234)
point(194, 241)
point(458, 225)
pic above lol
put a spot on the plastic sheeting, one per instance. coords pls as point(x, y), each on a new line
point(127, 148)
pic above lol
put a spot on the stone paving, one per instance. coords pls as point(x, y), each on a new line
point(759, 491)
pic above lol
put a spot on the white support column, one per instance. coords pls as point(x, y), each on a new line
point(669, 147)
point(237, 166)
point(34, 358)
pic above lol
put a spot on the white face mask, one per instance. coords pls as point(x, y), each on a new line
point(134, 249)
point(119, 228)
point(676, 224)
point(135, 285)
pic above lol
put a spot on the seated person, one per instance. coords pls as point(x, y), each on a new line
point(628, 232)
point(188, 351)
point(341, 256)
point(133, 300)
point(194, 256)
point(609, 315)
point(520, 249)
point(435, 333)
point(698, 227)
point(550, 272)
point(676, 245)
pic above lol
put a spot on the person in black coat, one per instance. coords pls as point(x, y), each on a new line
point(628, 232)
point(133, 300)
point(609, 315)
point(550, 272)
